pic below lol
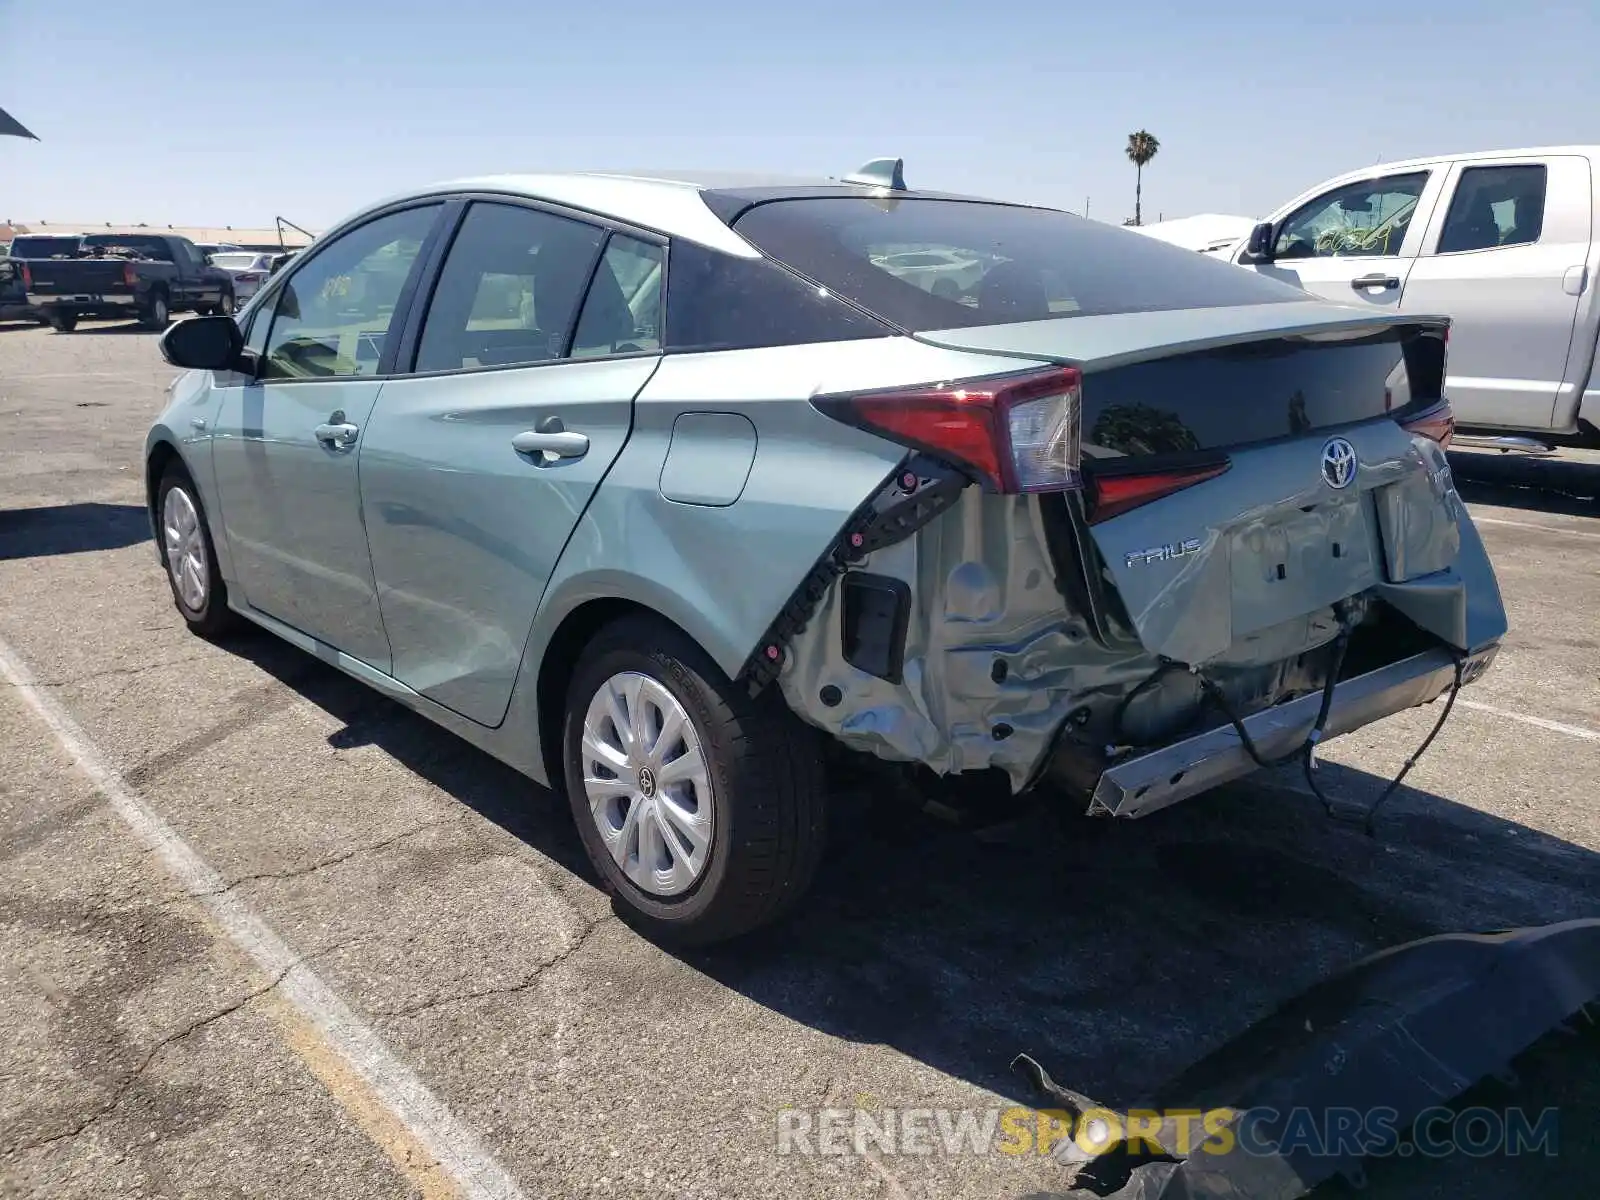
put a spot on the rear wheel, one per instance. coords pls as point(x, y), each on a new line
point(702, 809)
point(225, 307)
point(62, 322)
point(155, 314)
point(190, 557)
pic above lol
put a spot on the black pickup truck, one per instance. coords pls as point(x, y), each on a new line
point(150, 276)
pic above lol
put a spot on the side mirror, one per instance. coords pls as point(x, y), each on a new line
point(1259, 248)
point(203, 344)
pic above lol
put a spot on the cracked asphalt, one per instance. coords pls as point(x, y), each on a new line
point(447, 900)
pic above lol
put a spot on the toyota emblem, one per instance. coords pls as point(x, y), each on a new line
point(1338, 462)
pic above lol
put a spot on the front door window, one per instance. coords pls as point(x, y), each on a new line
point(1368, 219)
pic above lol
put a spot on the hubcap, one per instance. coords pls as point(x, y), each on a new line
point(186, 549)
point(645, 777)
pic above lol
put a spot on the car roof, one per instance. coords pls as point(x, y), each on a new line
point(1591, 152)
point(696, 206)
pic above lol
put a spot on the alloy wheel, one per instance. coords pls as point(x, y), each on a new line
point(186, 549)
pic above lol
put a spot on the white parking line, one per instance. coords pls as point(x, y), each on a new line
point(393, 1085)
point(1577, 731)
point(1583, 533)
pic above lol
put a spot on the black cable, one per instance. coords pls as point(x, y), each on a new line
point(1304, 749)
point(1455, 688)
point(1307, 750)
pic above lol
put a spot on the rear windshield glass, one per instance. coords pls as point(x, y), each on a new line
point(939, 264)
point(140, 244)
point(236, 262)
point(45, 247)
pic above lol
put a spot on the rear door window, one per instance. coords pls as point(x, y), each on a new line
point(509, 290)
point(939, 264)
point(1494, 207)
point(622, 312)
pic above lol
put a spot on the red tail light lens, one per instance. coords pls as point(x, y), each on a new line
point(27, 278)
point(1112, 495)
point(1018, 433)
point(1438, 424)
point(129, 275)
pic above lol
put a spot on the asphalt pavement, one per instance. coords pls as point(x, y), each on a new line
point(443, 904)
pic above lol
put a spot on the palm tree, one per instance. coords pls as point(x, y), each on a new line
point(1142, 147)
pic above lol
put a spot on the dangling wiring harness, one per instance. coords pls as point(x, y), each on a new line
point(1306, 752)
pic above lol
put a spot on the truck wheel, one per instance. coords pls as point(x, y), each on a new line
point(62, 322)
point(156, 315)
point(225, 307)
point(190, 557)
point(702, 809)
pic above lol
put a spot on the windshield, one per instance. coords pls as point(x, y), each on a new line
point(143, 245)
point(236, 262)
point(938, 264)
point(45, 247)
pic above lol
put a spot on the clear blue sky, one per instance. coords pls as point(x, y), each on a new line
point(183, 112)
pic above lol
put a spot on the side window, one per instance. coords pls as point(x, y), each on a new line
point(719, 301)
point(622, 312)
point(1366, 220)
point(509, 289)
point(1495, 206)
point(333, 316)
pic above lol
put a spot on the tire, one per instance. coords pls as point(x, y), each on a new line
point(226, 307)
point(156, 315)
point(62, 322)
point(205, 609)
point(767, 799)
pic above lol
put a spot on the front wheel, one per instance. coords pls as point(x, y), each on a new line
point(702, 809)
point(190, 557)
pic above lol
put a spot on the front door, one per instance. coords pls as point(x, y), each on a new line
point(286, 444)
point(478, 467)
point(1507, 263)
point(1355, 243)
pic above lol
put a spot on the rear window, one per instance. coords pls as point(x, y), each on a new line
point(45, 247)
point(940, 264)
point(236, 262)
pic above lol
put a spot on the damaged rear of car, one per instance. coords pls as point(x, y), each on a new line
point(1184, 528)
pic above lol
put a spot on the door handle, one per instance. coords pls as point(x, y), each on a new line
point(1386, 282)
point(340, 435)
point(551, 442)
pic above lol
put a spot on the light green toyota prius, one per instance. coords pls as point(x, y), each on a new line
point(658, 489)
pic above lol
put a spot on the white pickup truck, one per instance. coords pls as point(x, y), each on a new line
point(1505, 242)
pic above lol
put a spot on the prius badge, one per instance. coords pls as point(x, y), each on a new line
point(1157, 554)
point(1338, 462)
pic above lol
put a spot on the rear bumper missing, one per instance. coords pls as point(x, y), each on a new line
point(1153, 781)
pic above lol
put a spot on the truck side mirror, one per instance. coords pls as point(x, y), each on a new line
point(203, 344)
point(1259, 248)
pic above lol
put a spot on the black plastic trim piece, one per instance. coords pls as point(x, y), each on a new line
point(876, 610)
point(919, 489)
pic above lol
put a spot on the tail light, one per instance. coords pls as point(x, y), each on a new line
point(27, 278)
point(1112, 495)
point(247, 277)
point(1437, 423)
point(130, 276)
point(1017, 433)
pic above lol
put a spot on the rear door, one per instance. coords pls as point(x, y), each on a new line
point(540, 330)
point(1505, 257)
point(1356, 243)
